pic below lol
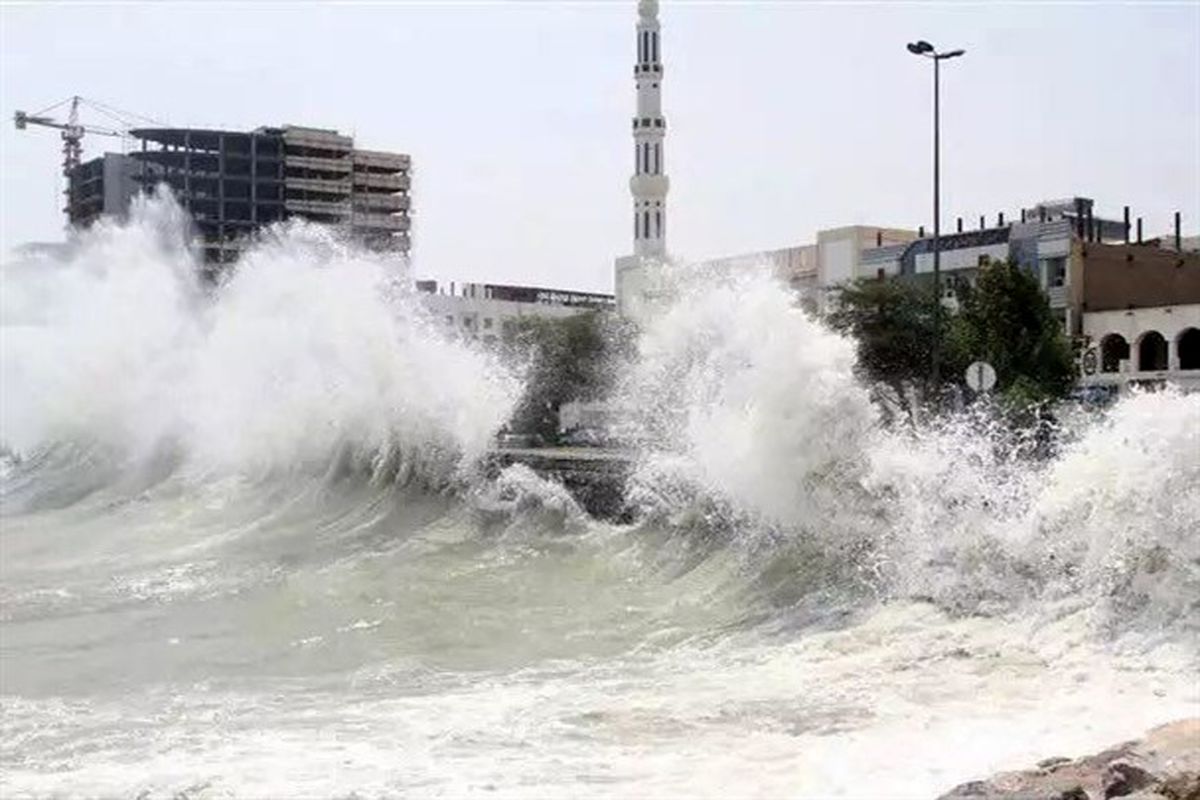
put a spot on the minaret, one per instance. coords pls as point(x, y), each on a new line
point(649, 183)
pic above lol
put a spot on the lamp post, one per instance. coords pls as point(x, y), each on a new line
point(926, 50)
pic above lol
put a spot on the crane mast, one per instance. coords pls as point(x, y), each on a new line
point(72, 132)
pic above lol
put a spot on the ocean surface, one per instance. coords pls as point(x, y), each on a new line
point(246, 550)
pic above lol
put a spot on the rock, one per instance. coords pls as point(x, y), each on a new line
point(1184, 786)
point(1164, 765)
point(1122, 779)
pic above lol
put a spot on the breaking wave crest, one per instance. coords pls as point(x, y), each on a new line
point(752, 426)
point(311, 352)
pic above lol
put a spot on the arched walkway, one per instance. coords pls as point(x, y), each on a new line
point(1187, 345)
point(1152, 352)
point(1113, 348)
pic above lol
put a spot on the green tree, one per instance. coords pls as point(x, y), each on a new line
point(893, 323)
point(569, 358)
point(1006, 320)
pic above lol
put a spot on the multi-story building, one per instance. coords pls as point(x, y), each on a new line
point(487, 311)
point(233, 183)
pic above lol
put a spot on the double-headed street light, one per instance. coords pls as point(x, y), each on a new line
point(926, 50)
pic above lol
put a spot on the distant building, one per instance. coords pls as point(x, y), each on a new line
point(487, 311)
point(1046, 239)
point(233, 183)
point(1140, 316)
point(838, 256)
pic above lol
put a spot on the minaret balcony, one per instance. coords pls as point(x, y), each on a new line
point(644, 68)
point(649, 122)
point(649, 187)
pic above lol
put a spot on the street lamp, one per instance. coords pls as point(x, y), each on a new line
point(926, 50)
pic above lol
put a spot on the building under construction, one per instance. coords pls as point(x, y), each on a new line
point(233, 182)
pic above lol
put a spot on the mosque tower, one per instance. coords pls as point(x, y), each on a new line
point(649, 183)
point(638, 277)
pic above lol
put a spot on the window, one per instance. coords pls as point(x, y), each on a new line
point(1152, 352)
point(449, 319)
point(657, 162)
point(1187, 345)
point(487, 323)
point(657, 224)
point(654, 47)
point(984, 260)
point(646, 224)
point(1113, 350)
point(1056, 271)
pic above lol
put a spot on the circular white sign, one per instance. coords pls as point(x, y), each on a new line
point(981, 377)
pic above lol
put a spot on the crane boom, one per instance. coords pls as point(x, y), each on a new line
point(22, 120)
point(72, 132)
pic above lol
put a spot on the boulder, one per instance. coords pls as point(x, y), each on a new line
point(1163, 765)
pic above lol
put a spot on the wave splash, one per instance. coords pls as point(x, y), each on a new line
point(309, 352)
point(752, 426)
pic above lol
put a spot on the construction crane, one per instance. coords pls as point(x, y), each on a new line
point(73, 130)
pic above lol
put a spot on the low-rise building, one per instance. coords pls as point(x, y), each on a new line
point(1140, 316)
point(487, 311)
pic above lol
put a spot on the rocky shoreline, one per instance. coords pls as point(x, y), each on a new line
point(1163, 765)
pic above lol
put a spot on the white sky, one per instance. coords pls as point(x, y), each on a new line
point(783, 117)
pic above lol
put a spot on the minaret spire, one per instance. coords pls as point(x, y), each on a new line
point(649, 183)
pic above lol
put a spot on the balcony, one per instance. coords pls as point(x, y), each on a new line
point(378, 181)
point(318, 164)
point(366, 201)
point(385, 222)
point(334, 187)
point(318, 139)
point(381, 160)
point(339, 209)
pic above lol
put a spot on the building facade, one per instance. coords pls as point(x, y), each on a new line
point(487, 312)
point(233, 183)
point(1140, 316)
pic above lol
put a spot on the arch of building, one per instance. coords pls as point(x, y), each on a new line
point(1187, 348)
point(1152, 352)
point(1113, 350)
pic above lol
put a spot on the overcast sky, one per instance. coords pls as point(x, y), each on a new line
point(783, 117)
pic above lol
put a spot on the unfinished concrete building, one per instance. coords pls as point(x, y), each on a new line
point(233, 183)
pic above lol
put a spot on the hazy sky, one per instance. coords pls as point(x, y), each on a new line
point(783, 117)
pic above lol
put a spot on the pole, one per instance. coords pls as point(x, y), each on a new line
point(935, 356)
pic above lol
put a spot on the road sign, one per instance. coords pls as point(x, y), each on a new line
point(980, 376)
point(1089, 362)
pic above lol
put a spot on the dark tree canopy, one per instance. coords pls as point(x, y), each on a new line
point(570, 358)
point(1004, 319)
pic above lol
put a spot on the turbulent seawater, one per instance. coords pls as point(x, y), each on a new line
point(246, 552)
